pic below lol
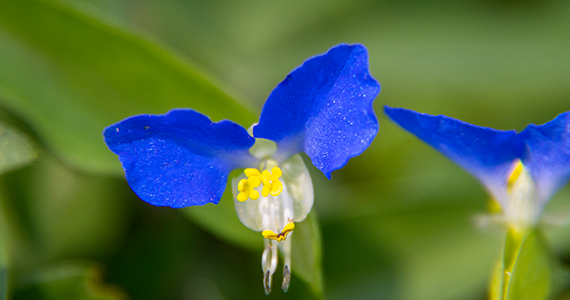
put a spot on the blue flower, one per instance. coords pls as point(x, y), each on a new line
point(323, 108)
point(520, 170)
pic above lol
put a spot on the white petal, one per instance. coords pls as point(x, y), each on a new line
point(299, 186)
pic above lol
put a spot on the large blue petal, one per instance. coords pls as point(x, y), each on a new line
point(486, 153)
point(324, 108)
point(549, 162)
point(178, 159)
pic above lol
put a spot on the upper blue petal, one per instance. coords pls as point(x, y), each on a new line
point(485, 152)
point(178, 159)
point(549, 160)
point(324, 108)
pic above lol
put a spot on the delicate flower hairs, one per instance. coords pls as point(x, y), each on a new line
point(322, 108)
point(520, 170)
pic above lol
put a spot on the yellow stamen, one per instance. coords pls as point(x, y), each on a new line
point(270, 181)
point(247, 186)
point(493, 206)
point(515, 174)
point(270, 234)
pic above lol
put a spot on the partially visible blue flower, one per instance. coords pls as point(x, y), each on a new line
point(322, 108)
point(520, 170)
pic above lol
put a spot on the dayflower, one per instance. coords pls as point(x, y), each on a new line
point(520, 170)
point(322, 108)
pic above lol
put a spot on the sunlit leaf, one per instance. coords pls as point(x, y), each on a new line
point(71, 73)
point(15, 149)
point(526, 271)
point(306, 257)
point(496, 284)
point(70, 280)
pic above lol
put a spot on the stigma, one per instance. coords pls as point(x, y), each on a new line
point(281, 236)
point(247, 187)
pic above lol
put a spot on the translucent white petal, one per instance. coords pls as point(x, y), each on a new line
point(523, 209)
point(263, 148)
point(274, 212)
point(299, 186)
point(271, 212)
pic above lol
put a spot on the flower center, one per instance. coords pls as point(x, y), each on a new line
point(270, 180)
point(522, 209)
point(282, 191)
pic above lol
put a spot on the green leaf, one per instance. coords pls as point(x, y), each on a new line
point(222, 221)
point(72, 214)
point(526, 271)
point(3, 258)
point(3, 281)
point(15, 149)
point(306, 256)
point(496, 284)
point(55, 212)
point(70, 73)
point(80, 280)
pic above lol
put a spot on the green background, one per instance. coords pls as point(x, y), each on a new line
point(398, 222)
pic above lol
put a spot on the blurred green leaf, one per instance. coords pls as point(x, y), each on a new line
point(15, 149)
point(526, 271)
point(78, 280)
point(73, 214)
point(3, 281)
point(306, 257)
point(3, 258)
point(221, 221)
point(496, 284)
point(71, 73)
point(56, 213)
point(429, 252)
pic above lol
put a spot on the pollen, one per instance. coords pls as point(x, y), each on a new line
point(270, 180)
point(281, 236)
point(514, 175)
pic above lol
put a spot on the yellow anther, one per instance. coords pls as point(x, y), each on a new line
point(270, 234)
point(515, 174)
point(246, 187)
point(270, 180)
point(251, 172)
point(271, 183)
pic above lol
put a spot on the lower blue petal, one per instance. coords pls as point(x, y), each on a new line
point(486, 153)
point(324, 108)
point(549, 161)
point(179, 159)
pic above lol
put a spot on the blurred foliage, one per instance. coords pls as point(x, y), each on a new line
point(70, 280)
point(398, 222)
point(93, 74)
point(15, 149)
